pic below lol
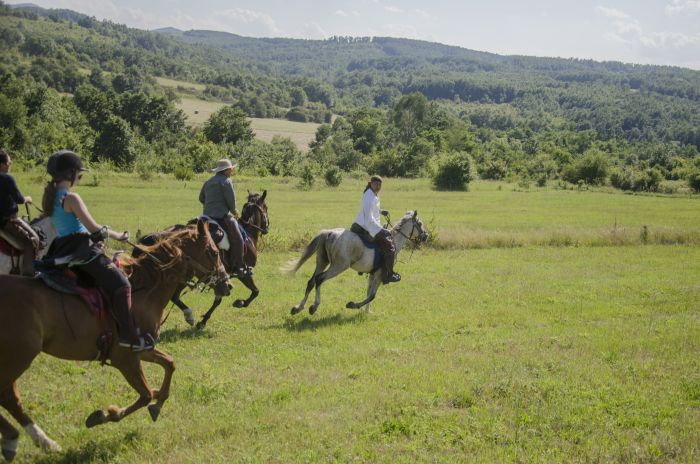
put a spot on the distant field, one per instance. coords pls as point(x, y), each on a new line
point(538, 353)
point(198, 111)
point(172, 83)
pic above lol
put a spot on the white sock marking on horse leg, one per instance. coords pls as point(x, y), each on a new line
point(9, 444)
point(40, 438)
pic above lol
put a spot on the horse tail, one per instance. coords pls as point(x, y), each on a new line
point(293, 266)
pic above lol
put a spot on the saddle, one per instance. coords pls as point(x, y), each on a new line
point(218, 234)
point(368, 241)
point(11, 246)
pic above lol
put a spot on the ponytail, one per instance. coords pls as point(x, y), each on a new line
point(49, 195)
point(369, 186)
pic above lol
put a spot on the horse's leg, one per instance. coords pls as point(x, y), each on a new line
point(186, 311)
point(374, 280)
point(217, 301)
point(9, 399)
point(250, 285)
point(130, 367)
point(9, 440)
point(166, 362)
point(321, 263)
point(332, 271)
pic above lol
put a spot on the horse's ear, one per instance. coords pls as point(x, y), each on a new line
point(264, 194)
point(248, 192)
point(415, 214)
point(202, 228)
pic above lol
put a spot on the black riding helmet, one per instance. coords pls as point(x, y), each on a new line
point(64, 161)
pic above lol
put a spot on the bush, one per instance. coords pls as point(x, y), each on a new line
point(454, 172)
point(183, 173)
point(333, 176)
point(307, 176)
point(591, 168)
point(694, 181)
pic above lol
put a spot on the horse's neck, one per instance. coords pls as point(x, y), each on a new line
point(399, 238)
point(156, 286)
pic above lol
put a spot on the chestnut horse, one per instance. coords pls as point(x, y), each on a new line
point(35, 319)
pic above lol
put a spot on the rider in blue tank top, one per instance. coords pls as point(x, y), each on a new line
point(65, 223)
point(80, 240)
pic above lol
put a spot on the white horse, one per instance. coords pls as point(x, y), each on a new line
point(43, 226)
point(341, 249)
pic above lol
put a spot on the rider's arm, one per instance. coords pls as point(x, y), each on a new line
point(13, 190)
point(229, 195)
point(202, 196)
point(72, 203)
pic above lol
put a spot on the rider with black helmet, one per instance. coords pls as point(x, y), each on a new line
point(79, 239)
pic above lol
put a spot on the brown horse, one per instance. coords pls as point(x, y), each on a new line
point(35, 319)
point(255, 221)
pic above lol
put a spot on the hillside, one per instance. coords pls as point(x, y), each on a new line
point(407, 104)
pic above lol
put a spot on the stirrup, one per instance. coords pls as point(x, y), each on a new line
point(146, 343)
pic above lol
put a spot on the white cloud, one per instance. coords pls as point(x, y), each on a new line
point(313, 30)
point(341, 13)
point(251, 17)
point(681, 6)
point(393, 9)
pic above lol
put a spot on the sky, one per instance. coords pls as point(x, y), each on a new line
point(664, 32)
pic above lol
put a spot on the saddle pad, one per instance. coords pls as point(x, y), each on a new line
point(65, 281)
point(7, 249)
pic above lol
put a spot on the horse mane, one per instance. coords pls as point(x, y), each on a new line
point(143, 270)
point(407, 217)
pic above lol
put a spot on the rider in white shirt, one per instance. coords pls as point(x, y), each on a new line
point(368, 220)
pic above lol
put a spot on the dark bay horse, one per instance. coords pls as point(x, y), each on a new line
point(340, 249)
point(35, 319)
point(255, 221)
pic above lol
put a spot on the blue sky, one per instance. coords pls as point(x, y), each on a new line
point(634, 31)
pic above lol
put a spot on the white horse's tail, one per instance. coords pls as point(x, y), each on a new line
point(293, 266)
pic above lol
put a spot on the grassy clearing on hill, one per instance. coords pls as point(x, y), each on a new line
point(530, 354)
point(301, 133)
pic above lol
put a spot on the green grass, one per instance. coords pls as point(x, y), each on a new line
point(175, 84)
point(536, 353)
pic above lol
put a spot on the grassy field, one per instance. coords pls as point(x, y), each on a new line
point(554, 342)
point(198, 111)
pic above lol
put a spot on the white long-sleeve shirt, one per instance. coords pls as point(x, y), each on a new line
point(368, 217)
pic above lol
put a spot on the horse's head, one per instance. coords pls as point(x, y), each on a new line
point(202, 256)
point(254, 212)
point(411, 227)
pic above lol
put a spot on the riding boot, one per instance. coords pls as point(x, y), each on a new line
point(126, 326)
point(385, 242)
point(236, 247)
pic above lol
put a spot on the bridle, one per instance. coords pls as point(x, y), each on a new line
point(409, 237)
point(265, 220)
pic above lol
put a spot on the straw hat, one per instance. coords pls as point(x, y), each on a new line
point(224, 164)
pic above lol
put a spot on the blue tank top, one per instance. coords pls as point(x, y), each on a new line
point(64, 222)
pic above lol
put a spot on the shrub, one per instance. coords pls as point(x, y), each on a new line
point(307, 176)
point(333, 176)
point(694, 181)
point(591, 168)
point(454, 172)
point(183, 173)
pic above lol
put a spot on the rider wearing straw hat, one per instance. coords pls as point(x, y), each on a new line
point(219, 199)
point(10, 222)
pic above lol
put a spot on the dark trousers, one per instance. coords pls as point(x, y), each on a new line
point(26, 237)
point(385, 242)
point(235, 239)
point(117, 289)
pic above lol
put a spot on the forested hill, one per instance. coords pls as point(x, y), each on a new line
point(406, 103)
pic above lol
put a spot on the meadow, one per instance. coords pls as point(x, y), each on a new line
point(539, 325)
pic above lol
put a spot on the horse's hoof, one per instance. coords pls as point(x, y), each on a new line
point(8, 455)
point(295, 310)
point(312, 309)
point(96, 418)
point(201, 325)
point(239, 304)
point(154, 411)
point(351, 305)
point(189, 317)
point(9, 448)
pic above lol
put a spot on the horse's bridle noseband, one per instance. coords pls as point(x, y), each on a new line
point(266, 220)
